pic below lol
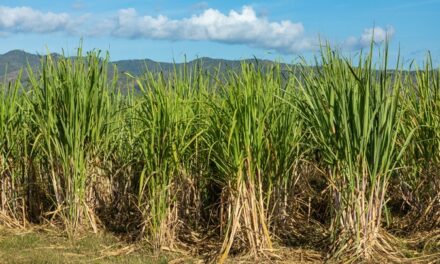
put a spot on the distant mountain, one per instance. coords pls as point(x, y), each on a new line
point(12, 61)
point(138, 67)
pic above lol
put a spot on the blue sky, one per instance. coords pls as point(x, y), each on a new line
point(170, 30)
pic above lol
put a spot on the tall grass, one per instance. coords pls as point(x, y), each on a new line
point(227, 162)
point(167, 120)
point(253, 145)
point(12, 151)
point(420, 185)
point(70, 111)
point(353, 115)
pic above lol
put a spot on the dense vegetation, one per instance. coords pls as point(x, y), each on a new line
point(342, 158)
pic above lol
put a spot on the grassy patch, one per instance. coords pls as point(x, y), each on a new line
point(53, 246)
point(49, 246)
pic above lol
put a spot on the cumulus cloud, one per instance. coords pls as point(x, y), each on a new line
point(376, 34)
point(25, 19)
point(243, 27)
point(235, 27)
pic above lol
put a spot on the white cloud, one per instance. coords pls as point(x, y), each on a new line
point(243, 27)
point(376, 34)
point(25, 19)
point(235, 27)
